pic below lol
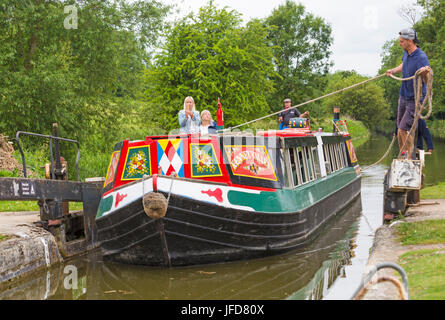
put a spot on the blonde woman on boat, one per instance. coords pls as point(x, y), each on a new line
point(207, 123)
point(189, 119)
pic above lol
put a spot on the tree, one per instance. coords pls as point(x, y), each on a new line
point(431, 33)
point(207, 56)
point(80, 77)
point(301, 47)
point(365, 103)
point(409, 13)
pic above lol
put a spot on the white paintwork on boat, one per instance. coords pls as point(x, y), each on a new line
point(182, 187)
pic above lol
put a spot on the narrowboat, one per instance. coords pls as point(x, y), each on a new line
point(189, 199)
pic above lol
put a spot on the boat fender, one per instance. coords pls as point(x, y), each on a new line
point(155, 205)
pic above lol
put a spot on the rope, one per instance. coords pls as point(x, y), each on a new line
point(418, 86)
point(384, 156)
point(414, 78)
point(307, 102)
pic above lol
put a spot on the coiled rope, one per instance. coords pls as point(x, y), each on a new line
point(418, 86)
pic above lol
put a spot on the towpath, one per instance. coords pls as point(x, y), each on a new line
point(12, 223)
point(387, 248)
point(28, 248)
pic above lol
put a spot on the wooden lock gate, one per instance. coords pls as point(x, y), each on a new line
point(75, 232)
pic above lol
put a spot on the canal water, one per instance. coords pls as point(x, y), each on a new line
point(330, 268)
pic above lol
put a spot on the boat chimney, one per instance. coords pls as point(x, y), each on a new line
point(336, 119)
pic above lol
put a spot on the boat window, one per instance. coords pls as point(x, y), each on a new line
point(315, 162)
point(340, 155)
point(310, 166)
point(303, 164)
point(286, 165)
point(337, 156)
point(327, 159)
point(332, 158)
point(344, 153)
point(340, 152)
point(298, 172)
point(293, 172)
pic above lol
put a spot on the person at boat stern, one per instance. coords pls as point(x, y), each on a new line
point(413, 59)
point(288, 114)
point(189, 119)
point(208, 126)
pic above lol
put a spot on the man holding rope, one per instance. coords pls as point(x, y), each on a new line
point(413, 59)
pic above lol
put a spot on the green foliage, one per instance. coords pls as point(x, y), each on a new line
point(71, 75)
point(211, 55)
point(301, 46)
point(5, 173)
point(426, 274)
point(85, 79)
point(19, 206)
point(35, 158)
point(433, 192)
point(358, 131)
point(385, 127)
point(270, 123)
point(422, 232)
point(133, 124)
point(437, 128)
point(4, 237)
point(431, 33)
point(365, 103)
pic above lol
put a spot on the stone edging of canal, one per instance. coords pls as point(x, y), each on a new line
point(387, 247)
point(27, 249)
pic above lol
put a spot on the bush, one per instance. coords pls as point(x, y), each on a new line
point(6, 174)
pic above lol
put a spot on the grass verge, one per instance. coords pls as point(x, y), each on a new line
point(422, 232)
point(433, 192)
point(16, 206)
point(426, 273)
